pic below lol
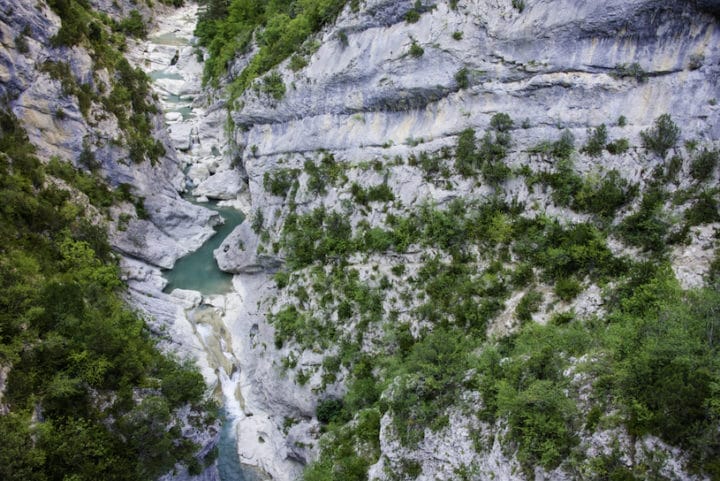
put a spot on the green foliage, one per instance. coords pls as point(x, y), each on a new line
point(412, 16)
point(541, 421)
point(597, 139)
point(297, 62)
point(329, 410)
point(329, 171)
point(528, 305)
point(561, 149)
point(633, 70)
point(134, 25)
point(462, 78)
point(648, 227)
point(662, 136)
point(376, 193)
point(665, 364)
point(258, 221)
point(227, 28)
point(279, 181)
point(619, 146)
point(430, 378)
point(76, 353)
point(317, 236)
point(567, 288)
point(457, 35)
point(703, 211)
point(703, 165)
point(272, 85)
point(518, 5)
point(489, 155)
point(416, 50)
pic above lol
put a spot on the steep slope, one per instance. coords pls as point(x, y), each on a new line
point(106, 159)
point(429, 178)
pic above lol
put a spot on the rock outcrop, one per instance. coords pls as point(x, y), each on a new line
point(365, 100)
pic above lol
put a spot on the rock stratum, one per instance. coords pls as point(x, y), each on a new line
point(446, 207)
point(369, 109)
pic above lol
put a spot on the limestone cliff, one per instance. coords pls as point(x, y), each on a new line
point(383, 100)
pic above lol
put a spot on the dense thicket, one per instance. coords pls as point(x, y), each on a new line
point(89, 395)
point(228, 27)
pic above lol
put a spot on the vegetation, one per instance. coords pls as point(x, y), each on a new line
point(89, 394)
point(633, 70)
point(411, 342)
point(280, 28)
point(662, 137)
point(129, 96)
point(487, 157)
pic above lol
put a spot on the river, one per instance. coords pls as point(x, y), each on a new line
point(177, 84)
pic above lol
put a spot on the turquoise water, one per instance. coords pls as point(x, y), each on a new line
point(198, 270)
point(169, 39)
point(161, 74)
point(228, 460)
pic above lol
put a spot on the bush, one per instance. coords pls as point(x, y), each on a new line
point(462, 78)
point(416, 50)
point(412, 16)
point(703, 211)
point(662, 137)
point(329, 410)
point(703, 165)
point(466, 152)
point(278, 182)
point(528, 305)
point(567, 288)
point(134, 25)
point(619, 146)
point(272, 85)
point(633, 70)
point(596, 141)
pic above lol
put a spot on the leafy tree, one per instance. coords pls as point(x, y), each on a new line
point(662, 136)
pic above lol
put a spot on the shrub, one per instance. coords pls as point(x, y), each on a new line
point(596, 141)
point(134, 25)
point(518, 5)
point(412, 16)
point(297, 62)
point(619, 146)
point(528, 305)
point(329, 410)
point(633, 70)
point(663, 136)
point(567, 288)
point(622, 121)
point(462, 79)
point(457, 35)
point(21, 44)
point(703, 165)
point(561, 149)
point(278, 182)
point(258, 221)
point(273, 85)
point(416, 50)
point(703, 211)
point(466, 152)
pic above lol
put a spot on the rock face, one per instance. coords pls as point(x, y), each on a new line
point(57, 127)
point(50, 111)
point(557, 64)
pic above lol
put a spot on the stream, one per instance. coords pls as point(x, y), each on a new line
point(170, 62)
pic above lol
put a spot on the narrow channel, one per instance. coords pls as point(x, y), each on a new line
point(197, 271)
